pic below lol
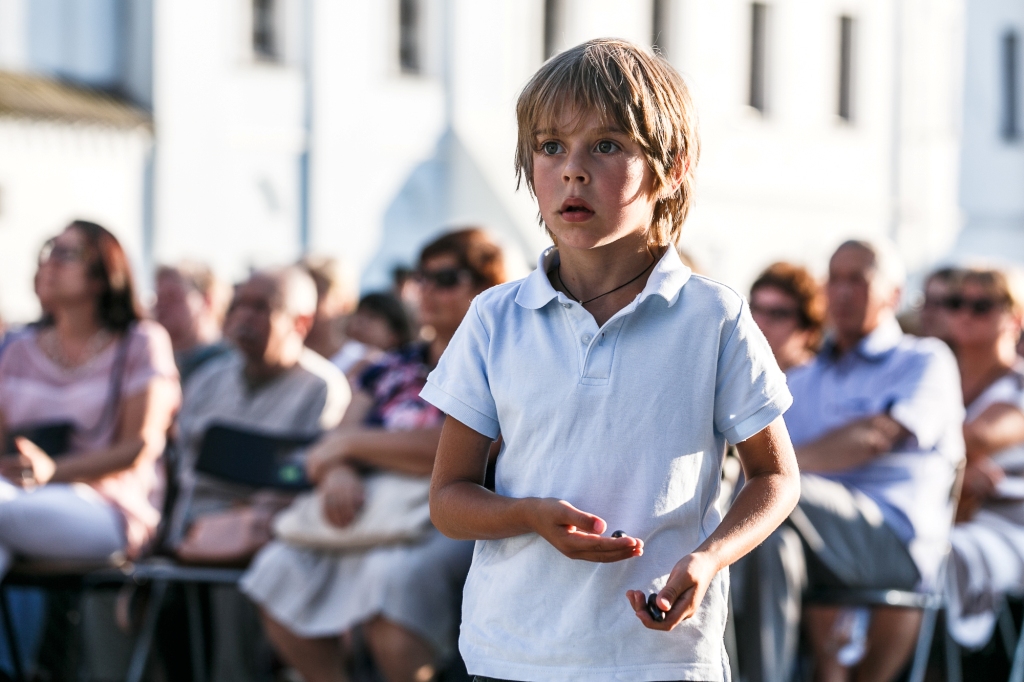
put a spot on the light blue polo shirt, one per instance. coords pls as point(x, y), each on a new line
point(916, 381)
point(628, 421)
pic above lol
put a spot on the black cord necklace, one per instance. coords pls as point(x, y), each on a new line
point(558, 274)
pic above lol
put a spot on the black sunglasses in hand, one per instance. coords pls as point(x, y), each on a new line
point(445, 278)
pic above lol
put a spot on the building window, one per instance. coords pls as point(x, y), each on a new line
point(410, 48)
point(758, 56)
point(659, 25)
point(264, 24)
point(1010, 95)
point(846, 68)
point(554, 26)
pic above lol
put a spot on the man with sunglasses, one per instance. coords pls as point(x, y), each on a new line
point(876, 424)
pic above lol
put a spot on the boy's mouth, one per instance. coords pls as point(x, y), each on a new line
point(574, 209)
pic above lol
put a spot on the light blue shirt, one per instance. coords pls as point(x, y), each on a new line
point(917, 383)
point(628, 421)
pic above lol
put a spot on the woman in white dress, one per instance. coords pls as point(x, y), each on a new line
point(406, 597)
point(984, 316)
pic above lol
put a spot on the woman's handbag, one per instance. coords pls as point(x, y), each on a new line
point(232, 537)
point(227, 538)
point(396, 510)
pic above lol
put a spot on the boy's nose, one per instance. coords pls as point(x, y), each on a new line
point(575, 171)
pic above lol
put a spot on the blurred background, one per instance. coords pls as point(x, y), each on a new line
point(248, 132)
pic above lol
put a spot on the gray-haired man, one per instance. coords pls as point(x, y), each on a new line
point(876, 421)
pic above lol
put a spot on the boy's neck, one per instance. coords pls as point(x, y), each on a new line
point(593, 275)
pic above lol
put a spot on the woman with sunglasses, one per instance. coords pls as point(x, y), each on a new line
point(404, 597)
point(86, 398)
point(985, 313)
point(788, 306)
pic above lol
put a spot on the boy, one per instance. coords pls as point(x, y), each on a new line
point(614, 377)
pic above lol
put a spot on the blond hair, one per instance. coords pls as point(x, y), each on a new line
point(638, 91)
point(1007, 284)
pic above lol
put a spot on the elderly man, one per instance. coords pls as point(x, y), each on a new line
point(190, 304)
point(876, 421)
point(274, 384)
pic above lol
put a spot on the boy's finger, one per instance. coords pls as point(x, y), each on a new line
point(601, 556)
point(590, 541)
point(571, 516)
point(638, 600)
point(678, 583)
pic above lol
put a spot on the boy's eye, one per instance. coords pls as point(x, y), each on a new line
point(551, 147)
point(606, 147)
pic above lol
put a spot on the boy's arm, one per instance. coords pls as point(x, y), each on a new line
point(462, 508)
point(770, 493)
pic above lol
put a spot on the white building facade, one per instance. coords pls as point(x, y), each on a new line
point(361, 129)
point(69, 148)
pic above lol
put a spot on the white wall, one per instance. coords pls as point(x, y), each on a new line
point(51, 174)
point(13, 34)
point(993, 168)
point(372, 126)
point(793, 183)
point(395, 158)
point(229, 138)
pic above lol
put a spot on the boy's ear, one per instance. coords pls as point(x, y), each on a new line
point(676, 175)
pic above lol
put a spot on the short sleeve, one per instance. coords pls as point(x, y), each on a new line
point(459, 385)
point(928, 397)
point(149, 356)
point(750, 389)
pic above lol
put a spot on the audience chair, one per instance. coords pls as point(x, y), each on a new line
point(929, 602)
point(233, 455)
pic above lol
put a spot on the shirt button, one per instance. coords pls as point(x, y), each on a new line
point(567, 305)
point(586, 338)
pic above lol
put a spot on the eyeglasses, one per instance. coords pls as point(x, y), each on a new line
point(975, 306)
point(774, 314)
point(445, 278)
point(59, 253)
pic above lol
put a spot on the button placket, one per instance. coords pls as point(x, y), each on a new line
point(582, 325)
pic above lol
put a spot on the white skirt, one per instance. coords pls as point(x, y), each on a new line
point(987, 562)
point(316, 594)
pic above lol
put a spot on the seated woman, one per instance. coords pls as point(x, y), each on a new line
point(787, 304)
point(985, 314)
point(405, 597)
point(104, 379)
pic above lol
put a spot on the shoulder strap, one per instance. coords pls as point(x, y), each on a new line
point(114, 388)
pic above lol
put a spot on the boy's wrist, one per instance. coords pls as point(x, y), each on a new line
point(709, 556)
point(524, 513)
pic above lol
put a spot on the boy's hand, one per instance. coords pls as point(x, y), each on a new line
point(577, 534)
point(681, 595)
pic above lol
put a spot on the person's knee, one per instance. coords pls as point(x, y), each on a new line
point(389, 638)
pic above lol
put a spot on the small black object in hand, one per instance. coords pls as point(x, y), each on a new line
point(656, 614)
point(618, 534)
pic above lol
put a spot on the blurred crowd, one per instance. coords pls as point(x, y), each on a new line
point(908, 426)
point(105, 410)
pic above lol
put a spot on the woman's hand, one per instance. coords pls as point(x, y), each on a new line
point(328, 452)
point(682, 594)
point(980, 479)
point(577, 534)
point(29, 468)
point(343, 495)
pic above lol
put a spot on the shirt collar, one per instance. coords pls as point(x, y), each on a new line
point(666, 280)
point(876, 345)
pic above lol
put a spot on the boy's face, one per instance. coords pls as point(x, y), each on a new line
point(593, 184)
